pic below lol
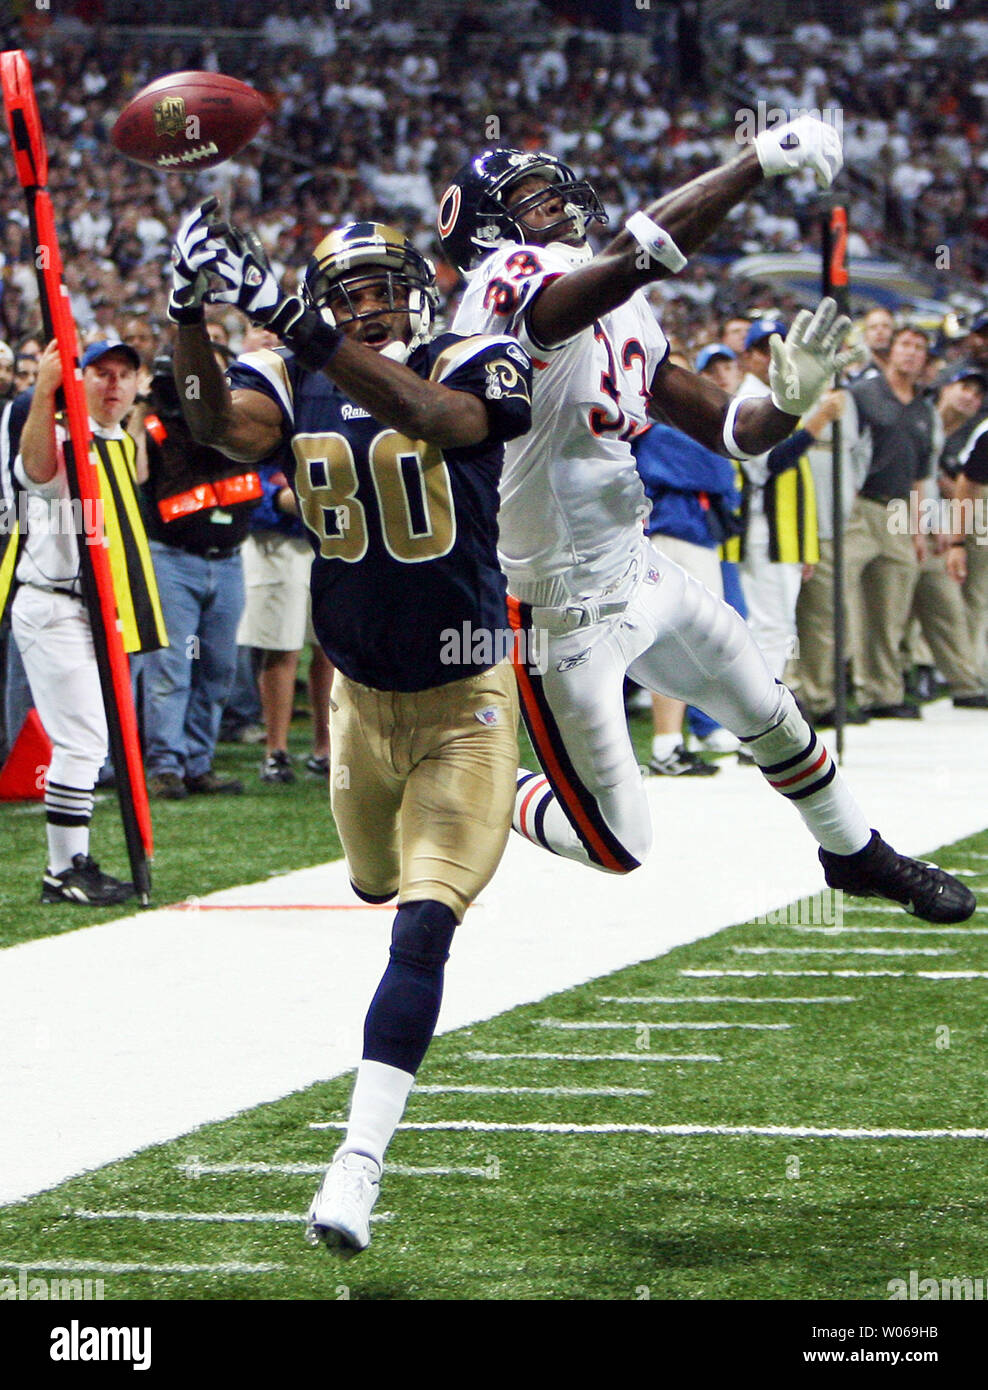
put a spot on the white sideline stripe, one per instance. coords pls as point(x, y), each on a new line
point(843, 951)
point(592, 1057)
point(108, 1267)
point(659, 1027)
point(313, 1170)
point(839, 974)
point(771, 1131)
point(891, 931)
point(726, 999)
point(264, 1217)
point(531, 1090)
point(892, 907)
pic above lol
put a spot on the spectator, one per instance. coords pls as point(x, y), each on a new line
point(883, 562)
point(780, 537)
point(199, 505)
point(6, 373)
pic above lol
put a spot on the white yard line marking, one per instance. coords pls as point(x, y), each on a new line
point(891, 908)
point(658, 1027)
point(843, 951)
point(264, 1217)
point(531, 1090)
point(113, 1267)
point(194, 1169)
point(592, 1057)
point(726, 999)
point(838, 974)
point(923, 930)
point(769, 1131)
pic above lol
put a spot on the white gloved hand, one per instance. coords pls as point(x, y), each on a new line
point(809, 359)
point(195, 254)
point(806, 141)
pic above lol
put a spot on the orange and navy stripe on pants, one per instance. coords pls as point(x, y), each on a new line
point(578, 803)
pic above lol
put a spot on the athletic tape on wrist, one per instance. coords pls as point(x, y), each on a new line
point(655, 241)
point(730, 443)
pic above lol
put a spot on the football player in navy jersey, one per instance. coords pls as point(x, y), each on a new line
point(394, 444)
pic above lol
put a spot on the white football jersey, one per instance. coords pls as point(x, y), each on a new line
point(572, 503)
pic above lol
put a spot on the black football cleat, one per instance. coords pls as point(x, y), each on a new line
point(878, 872)
point(84, 883)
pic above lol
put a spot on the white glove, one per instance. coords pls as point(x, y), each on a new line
point(805, 141)
point(194, 254)
point(808, 360)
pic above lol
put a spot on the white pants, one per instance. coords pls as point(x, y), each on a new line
point(771, 591)
point(675, 638)
point(56, 644)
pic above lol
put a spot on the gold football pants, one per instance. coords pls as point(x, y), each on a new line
point(423, 785)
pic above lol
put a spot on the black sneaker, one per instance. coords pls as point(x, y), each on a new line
point(277, 767)
point(84, 883)
point(213, 784)
point(318, 766)
point(878, 872)
point(682, 763)
point(903, 711)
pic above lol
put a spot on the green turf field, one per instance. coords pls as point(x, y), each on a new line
point(599, 1213)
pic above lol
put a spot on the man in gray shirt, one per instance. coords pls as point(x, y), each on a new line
point(882, 556)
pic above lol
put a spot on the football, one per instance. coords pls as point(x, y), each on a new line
point(189, 120)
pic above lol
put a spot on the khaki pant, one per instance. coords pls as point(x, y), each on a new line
point(423, 785)
point(939, 606)
point(882, 573)
point(814, 669)
point(974, 591)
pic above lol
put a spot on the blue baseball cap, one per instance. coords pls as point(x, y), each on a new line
point(965, 372)
point(95, 351)
point(763, 328)
point(711, 352)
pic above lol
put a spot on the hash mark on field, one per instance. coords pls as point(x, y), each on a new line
point(889, 909)
point(193, 1169)
point(658, 1027)
point(592, 1057)
point(769, 1131)
point(531, 1090)
point(110, 1267)
point(891, 931)
point(725, 999)
point(843, 950)
point(264, 1217)
point(839, 974)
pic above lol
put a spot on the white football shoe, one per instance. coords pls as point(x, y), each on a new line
point(339, 1217)
point(717, 741)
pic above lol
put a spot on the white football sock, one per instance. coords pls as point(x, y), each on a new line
point(664, 745)
point(64, 843)
point(378, 1103)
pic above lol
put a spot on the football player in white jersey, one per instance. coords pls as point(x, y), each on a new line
point(580, 573)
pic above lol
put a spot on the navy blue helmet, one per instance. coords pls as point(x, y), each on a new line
point(474, 218)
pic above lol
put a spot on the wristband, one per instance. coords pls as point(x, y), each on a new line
point(658, 244)
point(307, 333)
point(732, 446)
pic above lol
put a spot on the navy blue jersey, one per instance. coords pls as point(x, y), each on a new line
point(407, 593)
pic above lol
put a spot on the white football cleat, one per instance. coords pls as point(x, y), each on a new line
point(339, 1217)
point(717, 741)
